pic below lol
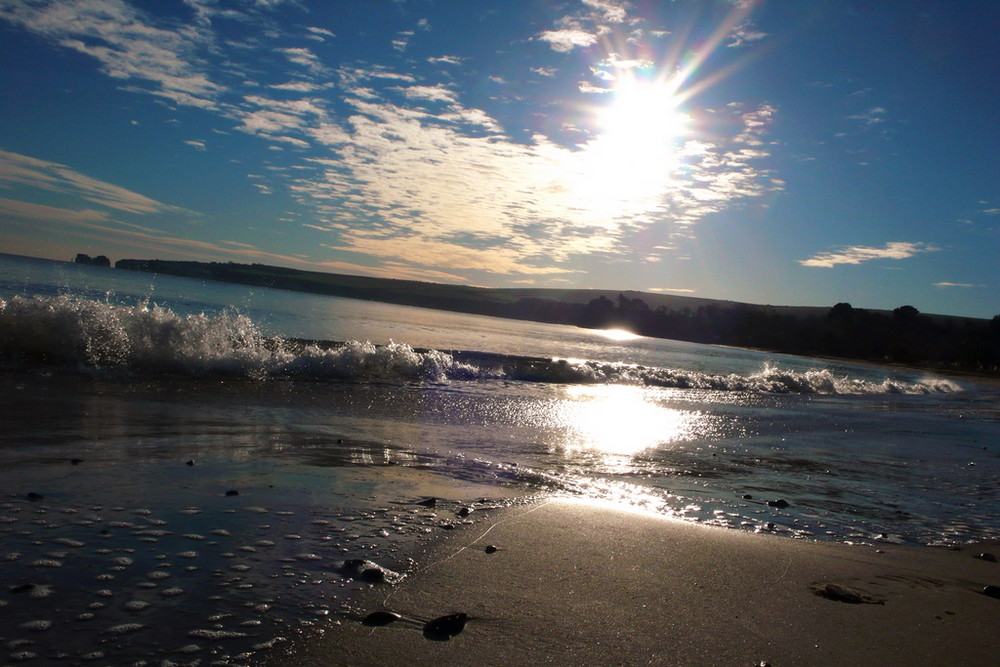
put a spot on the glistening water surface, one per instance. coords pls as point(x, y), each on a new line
point(330, 449)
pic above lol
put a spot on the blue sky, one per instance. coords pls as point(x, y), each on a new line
point(791, 152)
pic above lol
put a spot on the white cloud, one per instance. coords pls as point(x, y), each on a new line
point(873, 116)
point(611, 11)
point(446, 60)
point(298, 86)
point(745, 34)
point(126, 43)
point(303, 57)
point(428, 93)
point(676, 290)
point(590, 89)
point(404, 185)
point(568, 39)
point(945, 284)
point(319, 34)
point(859, 254)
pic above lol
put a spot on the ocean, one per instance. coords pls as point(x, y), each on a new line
point(195, 471)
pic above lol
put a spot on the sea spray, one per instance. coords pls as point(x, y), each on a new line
point(100, 336)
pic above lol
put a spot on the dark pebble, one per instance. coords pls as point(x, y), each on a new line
point(747, 496)
point(490, 549)
point(380, 618)
point(992, 591)
point(21, 588)
point(846, 594)
point(987, 557)
point(445, 627)
point(447, 526)
point(428, 502)
point(780, 503)
point(232, 492)
point(190, 463)
point(76, 462)
point(373, 575)
point(35, 496)
point(465, 511)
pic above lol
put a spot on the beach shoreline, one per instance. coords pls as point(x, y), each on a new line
point(566, 581)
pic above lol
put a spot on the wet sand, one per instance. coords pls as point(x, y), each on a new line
point(579, 583)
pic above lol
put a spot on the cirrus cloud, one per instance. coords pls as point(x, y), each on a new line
point(860, 254)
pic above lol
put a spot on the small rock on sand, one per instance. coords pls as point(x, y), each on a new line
point(380, 618)
point(444, 628)
point(841, 593)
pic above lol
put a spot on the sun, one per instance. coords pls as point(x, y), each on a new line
point(634, 155)
point(642, 118)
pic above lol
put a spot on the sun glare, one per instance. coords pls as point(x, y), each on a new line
point(642, 117)
point(617, 335)
point(621, 421)
point(634, 156)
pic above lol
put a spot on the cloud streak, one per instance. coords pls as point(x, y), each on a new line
point(861, 254)
point(16, 169)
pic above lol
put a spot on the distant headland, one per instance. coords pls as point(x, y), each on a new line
point(901, 336)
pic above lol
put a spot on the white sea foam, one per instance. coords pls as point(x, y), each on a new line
point(147, 339)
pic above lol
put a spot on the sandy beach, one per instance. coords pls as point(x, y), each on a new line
point(562, 582)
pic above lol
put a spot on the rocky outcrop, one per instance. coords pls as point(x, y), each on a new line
point(100, 260)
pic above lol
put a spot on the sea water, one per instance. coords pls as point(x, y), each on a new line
point(184, 476)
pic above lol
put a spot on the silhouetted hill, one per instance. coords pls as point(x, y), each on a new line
point(903, 335)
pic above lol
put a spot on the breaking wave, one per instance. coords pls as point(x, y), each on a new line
point(101, 337)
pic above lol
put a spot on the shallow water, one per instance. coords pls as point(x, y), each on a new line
point(330, 449)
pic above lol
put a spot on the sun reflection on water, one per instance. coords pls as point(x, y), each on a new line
point(617, 335)
point(622, 421)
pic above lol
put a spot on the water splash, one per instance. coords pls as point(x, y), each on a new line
point(104, 337)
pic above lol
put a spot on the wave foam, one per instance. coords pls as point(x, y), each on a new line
point(98, 336)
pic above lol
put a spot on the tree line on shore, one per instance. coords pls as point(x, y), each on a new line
point(903, 335)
